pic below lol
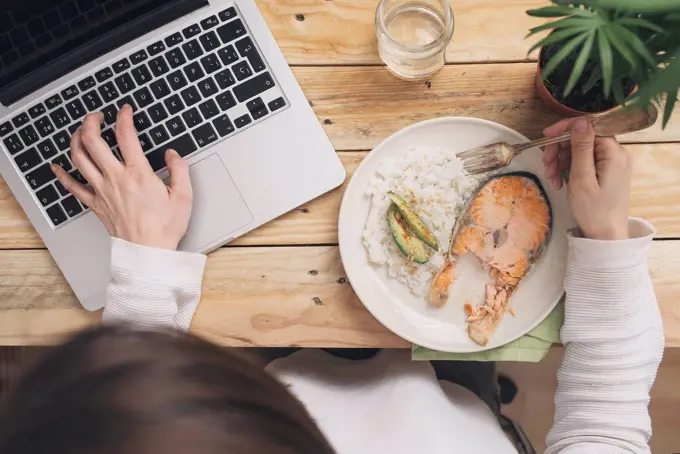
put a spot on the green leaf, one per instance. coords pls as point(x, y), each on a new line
point(620, 47)
point(635, 42)
point(566, 23)
point(634, 6)
point(617, 89)
point(557, 11)
point(557, 36)
point(606, 61)
point(639, 22)
point(672, 17)
point(581, 61)
point(562, 54)
point(671, 98)
point(594, 78)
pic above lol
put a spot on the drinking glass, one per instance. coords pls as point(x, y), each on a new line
point(413, 35)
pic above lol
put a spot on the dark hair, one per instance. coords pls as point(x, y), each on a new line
point(116, 390)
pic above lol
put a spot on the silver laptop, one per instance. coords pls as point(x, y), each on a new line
point(205, 77)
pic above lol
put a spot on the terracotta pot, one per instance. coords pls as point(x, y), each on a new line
point(553, 103)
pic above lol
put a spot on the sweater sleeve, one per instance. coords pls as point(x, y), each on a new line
point(153, 288)
point(613, 341)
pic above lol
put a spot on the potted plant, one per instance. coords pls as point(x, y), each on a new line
point(603, 53)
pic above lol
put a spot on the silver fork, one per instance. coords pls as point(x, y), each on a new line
point(500, 154)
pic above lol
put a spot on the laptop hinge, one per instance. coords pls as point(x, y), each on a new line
point(165, 13)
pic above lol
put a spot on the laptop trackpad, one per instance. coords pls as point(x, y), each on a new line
point(218, 208)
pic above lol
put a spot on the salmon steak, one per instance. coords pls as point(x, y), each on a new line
point(506, 225)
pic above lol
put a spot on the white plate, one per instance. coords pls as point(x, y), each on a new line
point(410, 316)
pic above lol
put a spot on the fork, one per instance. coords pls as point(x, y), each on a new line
point(500, 154)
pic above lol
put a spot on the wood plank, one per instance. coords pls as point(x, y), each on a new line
point(361, 106)
point(317, 32)
point(655, 195)
point(280, 296)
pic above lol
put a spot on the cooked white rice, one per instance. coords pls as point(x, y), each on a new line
point(435, 185)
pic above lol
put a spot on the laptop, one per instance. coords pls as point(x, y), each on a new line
point(205, 77)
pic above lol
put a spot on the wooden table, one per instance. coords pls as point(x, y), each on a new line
point(283, 285)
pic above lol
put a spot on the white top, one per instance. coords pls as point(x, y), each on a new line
point(613, 346)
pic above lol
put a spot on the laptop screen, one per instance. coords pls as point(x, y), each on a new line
point(36, 33)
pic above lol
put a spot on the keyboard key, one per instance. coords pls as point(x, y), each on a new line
point(158, 66)
point(63, 140)
point(159, 134)
point(125, 83)
point(47, 149)
point(175, 126)
point(143, 97)
point(276, 104)
point(29, 135)
point(204, 135)
point(141, 74)
point(243, 121)
point(126, 100)
point(226, 100)
point(192, 49)
point(92, 100)
point(109, 137)
point(109, 92)
point(40, 176)
point(120, 66)
point(104, 74)
point(225, 79)
point(110, 114)
point(141, 121)
point(63, 161)
point(210, 22)
point(174, 104)
point(71, 206)
point(145, 142)
point(209, 109)
point(260, 113)
point(44, 126)
point(177, 80)
point(56, 214)
point(74, 126)
point(228, 55)
point(60, 118)
point(194, 72)
point(60, 187)
point(156, 48)
point(76, 109)
point(53, 101)
point(47, 195)
point(5, 129)
point(190, 96)
point(210, 41)
point(223, 125)
point(242, 70)
point(160, 89)
point(76, 175)
point(20, 120)
point(207, 87)
point(13, 144)
point(175, 57)
point(231, 30)
point(36, 110)
point(157, 113)
point(27, 160)
point(173, 40)
point(70, 92)
point(192, 117)
point(253, 87)
point(138, 57)
point(228, 14)
point(254, 105)
point(86, 83)
point(211, 63)
point(247, 49)
point(191, 31)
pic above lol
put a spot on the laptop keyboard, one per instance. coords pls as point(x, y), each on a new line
point(188, 90)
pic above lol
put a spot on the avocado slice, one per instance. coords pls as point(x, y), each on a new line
point(409, 245)
point(417, 226)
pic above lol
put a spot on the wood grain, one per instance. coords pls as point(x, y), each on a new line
point(361, 106)
point(655, 196)
point(315, 32)
point(279, 296)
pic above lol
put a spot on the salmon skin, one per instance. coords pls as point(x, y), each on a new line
point(506, 224)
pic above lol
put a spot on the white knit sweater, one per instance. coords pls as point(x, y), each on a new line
point(612, 334)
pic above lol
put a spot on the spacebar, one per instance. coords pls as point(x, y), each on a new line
point(183, 145)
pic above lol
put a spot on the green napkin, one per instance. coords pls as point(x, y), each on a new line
point(530, 348)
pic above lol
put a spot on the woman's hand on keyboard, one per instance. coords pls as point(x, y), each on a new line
point(129, 199)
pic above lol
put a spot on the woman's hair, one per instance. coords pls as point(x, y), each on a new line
point(115, 390)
